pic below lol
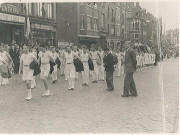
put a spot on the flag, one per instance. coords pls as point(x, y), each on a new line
point(44, 9)
point(27, 27)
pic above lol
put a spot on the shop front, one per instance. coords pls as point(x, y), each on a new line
point(88, 40)
point(114, 44)
point(11, 28)
point(43, 34)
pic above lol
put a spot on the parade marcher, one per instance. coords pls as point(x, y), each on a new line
point(5, 55)
point(76, 53)
point(26, 58)
point(109, 68)
point(101, 66)
point(70, 68)
point(44, 58)
point(119, 65)
point(55, 57)
point(95, 56)
point(130, 68)
point(85, 56)
point(62, 59)
point(33, 82)
point(16, 59)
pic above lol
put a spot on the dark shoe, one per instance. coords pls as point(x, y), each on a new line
point(133, 95)
point(53, 82)
point(124, 96)
point(84, 84)
point(95, 82)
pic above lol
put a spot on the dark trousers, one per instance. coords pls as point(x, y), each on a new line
point(109, 80)
point(129, 85)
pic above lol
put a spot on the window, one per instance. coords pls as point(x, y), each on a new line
point(136, 37)
point(95, 5)
point(39, 9)
point(30, 8)
point(112, 16)
point(118, 30)
point(136, 26)
point(112, 30)
point(95, 24)
point(49, 14)
point(108, 30)
point(89, 22)
point(82, 22)
point(137, 14)
point(102, 21)
point(108, 12)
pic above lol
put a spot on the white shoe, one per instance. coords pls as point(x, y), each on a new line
point(28, 98)
point(46, 94)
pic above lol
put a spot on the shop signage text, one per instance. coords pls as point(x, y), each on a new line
point(41, 26)
point(9, 8)
point(12, 18)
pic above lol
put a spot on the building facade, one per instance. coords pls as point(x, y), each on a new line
point(42, 18)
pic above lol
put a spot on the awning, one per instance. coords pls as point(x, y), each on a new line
point(11, 23)
point(88, 36)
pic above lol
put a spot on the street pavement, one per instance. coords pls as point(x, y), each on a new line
point(92, 109)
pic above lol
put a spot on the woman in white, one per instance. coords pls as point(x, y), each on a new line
point(54, 73)
point(101, 66)
point(84, 59)
point(5, 55)
point(70, 68)
point(26, 58)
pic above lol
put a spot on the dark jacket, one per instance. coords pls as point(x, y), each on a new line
point(109, 62)
point(130, 61)
point(35, 66)
point(91, 66)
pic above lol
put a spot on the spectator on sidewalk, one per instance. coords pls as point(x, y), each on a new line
point(130, 68)
point(109, 68)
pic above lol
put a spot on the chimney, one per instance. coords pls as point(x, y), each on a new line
point(137, 4)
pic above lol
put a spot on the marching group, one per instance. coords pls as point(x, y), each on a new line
point(71, 61)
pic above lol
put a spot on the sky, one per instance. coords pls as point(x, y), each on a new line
point(168, 10)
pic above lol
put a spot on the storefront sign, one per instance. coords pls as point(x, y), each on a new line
point(41, 26)
point(12, 18)
point(9, 8)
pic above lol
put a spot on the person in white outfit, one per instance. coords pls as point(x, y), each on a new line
point(33, 83)
point(62, 58)
point(54, 73)
point(101, 66)
point(119, 56)
point(95, 56)
point(75, 51)
point(70, 68)
point(85, 56)
point(5, 55)
point(2, 61)
point(26, 58)
point(44, 58)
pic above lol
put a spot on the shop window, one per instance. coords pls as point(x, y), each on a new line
point(95, 24)
point(136, 25)
point(89, 23)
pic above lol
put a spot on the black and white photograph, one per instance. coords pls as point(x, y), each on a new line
point(89, 66)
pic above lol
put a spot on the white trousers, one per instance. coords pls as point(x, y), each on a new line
point(33, 82)
point(95, 72)
point(101, 72)
point(119, 68)
point(54, 73)
point(85, 73)
point(71, 83)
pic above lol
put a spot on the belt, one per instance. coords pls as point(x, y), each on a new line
point(84, 62)
point(25, 65)
point(94, 59)
point(44, 63)
point(69, 63)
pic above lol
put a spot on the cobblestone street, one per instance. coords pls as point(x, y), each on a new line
point(93, 109)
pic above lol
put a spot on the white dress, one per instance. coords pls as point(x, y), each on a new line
point(70, 68)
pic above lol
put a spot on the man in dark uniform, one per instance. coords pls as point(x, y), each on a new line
point(109, 68)
point(130, 68)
